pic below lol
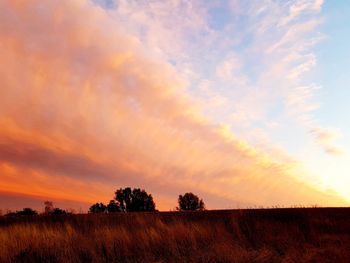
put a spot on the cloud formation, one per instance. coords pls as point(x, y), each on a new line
point(325, 138)
point(86, 108)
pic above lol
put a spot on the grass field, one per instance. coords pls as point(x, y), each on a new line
point(261, 235)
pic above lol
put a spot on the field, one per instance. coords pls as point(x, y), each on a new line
point(257, 235)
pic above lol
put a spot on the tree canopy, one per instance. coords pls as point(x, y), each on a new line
point(49, 209)
point(135, 200)
point(190, 202)
point(98, 208)
point(113, 207)
point(25, 212)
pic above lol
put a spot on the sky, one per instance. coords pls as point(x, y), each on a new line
point(243, 103)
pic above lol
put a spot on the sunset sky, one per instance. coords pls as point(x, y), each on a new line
point(245, 103)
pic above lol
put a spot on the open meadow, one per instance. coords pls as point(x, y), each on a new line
point(256, 235)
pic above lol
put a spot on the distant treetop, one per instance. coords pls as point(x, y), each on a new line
point(98, 208)
point(190, 202)
point(25, 212)
point(136, 200)
point(127, 200)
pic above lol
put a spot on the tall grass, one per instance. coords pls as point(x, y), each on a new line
point(268, 235)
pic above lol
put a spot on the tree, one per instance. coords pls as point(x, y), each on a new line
point(58, 211)
point(190, 202)
point(113, 207)
point(136, 200)
point(51, 210)
point(98, 208)
point(25, 212)
point(48, 207)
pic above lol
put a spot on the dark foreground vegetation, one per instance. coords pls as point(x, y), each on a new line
point(264, 235)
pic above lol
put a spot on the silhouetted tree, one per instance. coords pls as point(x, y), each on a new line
point(25, 212)
point(190, 202)
point(51, 210)
point(135, 200)
point(48, 207)
point(113, 207)
point(98, 208)
point(58, 211)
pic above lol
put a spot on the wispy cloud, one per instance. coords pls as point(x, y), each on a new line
point(325, 138)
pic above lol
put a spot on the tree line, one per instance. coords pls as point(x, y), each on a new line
point(49, 209)
point(125, 200)
point(138, 200)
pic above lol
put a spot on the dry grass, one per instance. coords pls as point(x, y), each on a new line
point(267, 235)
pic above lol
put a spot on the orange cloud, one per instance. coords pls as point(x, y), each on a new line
point(84, 111)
